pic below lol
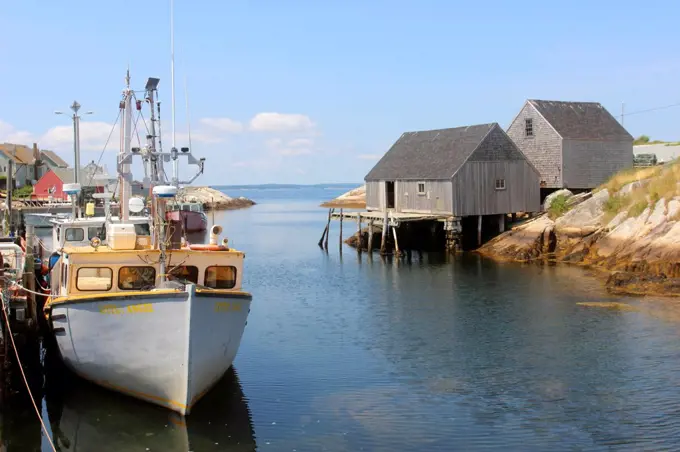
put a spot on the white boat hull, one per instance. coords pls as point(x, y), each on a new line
point(167, 347)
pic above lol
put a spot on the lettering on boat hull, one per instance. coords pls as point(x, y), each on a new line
point(131, 309)
point(227, 306)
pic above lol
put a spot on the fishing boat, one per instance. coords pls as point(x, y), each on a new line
point(149, 316)
point(188, 214)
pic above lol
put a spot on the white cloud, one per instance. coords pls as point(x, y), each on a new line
point(223, 124)
point(280, 122)
point(9, 134)
point(291, 148)
point(290, 152)
point(369, 156)
point(301, 142)
point(93, 137)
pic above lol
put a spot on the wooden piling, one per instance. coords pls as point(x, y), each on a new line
point(359, 232)
point(328, 228)
point(501, 223)
point(396, 241)
point(370, 236)
point(479, 230)
point(340, 241)
point(383, 241)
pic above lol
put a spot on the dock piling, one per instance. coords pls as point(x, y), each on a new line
point(479, 230)
point(370, 236)
point(359, 233)
point(328, 229)
point(340, 241)
point(383, 241)
point(396, 241)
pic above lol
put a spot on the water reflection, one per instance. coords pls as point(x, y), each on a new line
point(85, 417)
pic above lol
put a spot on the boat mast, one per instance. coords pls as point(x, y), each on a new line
point(175, 166)
point(125, 177)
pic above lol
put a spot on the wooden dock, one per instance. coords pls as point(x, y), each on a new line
point(383, 222)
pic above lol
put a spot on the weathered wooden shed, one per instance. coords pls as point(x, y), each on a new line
point(465, 171)
point(575, 145)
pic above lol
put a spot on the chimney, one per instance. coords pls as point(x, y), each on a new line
point(36, 153)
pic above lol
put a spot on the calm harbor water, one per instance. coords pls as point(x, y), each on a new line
point(347, 353)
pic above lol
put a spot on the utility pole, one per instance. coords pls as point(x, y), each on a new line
point(75, 106)
point(623, 109)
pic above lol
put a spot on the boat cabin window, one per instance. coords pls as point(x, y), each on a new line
point(94, 279)
point(186, 207)
point(142, 229)
point(96, 231)
point(136, 278)
point(75, 235)
point(184, 273)
point(220, 277)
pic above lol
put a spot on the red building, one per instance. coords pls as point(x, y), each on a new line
point(52, 184)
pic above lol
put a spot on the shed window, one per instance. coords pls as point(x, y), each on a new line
point(136, 278)
point(220, 277)
point(94, 279)
point(184, 273)
point(421, 188)
point(529, 127)
point(500, 184)
point(75, 235)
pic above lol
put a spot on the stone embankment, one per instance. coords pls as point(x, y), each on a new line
point(212, 199)
point(630, 228)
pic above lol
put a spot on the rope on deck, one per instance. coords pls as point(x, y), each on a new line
point(23, 374)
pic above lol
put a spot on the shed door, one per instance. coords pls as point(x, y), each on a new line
point(389, 194)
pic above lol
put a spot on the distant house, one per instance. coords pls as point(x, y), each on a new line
point(49, 160)
point(52, 184)
point(664, 152)
point(464, 171)
point(23, 158)
point(575, 145)
point(30, 164)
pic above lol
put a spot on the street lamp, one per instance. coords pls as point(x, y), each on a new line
point(75, 106)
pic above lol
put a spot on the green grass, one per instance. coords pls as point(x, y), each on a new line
point(615, 204)
point(644, 139)
point(558, 207)
point(637, 208)
point(23, 192)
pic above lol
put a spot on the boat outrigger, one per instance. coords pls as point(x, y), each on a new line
point(146, 313)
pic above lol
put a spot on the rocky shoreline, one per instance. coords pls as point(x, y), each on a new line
point(629, 230)
point(212, 199)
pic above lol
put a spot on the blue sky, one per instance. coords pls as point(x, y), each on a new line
point(310, 92)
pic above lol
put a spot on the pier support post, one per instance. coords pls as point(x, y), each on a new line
point(479, 230)
point(359, 232)
point(501, 223)
point(340, 241)
point(385, 226)
point(396, 241)
point(370, 236)
point(328, 228)
point(325, 231)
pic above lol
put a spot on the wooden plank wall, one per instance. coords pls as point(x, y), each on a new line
point(474, 188)
point(437, 197)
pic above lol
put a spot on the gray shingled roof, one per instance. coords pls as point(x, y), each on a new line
point(66, 176)
point(581, 120)
point(430, 154)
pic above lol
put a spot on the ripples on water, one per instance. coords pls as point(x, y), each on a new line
point(351, 353)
